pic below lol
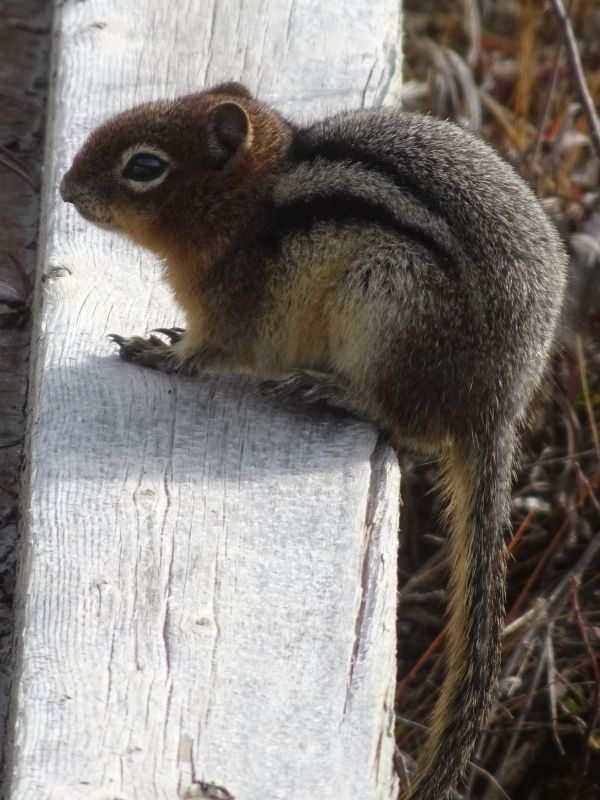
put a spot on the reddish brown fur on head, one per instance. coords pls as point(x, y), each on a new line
point(218, 149)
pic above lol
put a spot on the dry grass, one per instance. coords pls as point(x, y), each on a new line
point(501, 68)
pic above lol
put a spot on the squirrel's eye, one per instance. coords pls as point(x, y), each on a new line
point(144, 167)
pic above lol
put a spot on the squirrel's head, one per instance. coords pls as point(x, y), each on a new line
point(165, 168)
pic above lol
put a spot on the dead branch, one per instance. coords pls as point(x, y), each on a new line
point(568, 36)
point(552, 679)
point(595, 710)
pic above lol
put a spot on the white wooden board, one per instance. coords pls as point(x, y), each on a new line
point(207, 589)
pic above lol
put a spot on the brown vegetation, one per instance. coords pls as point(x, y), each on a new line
point(505, 70)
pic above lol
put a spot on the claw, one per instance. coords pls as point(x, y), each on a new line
point(294, 390)
point(174, 335)
point(116, 338)
point(154, 340)
point(269, 388)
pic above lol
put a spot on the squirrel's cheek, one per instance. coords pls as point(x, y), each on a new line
point(135, 224)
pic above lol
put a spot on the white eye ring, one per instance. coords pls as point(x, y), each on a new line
point(143, 185)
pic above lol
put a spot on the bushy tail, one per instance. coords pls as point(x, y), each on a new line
point(477, 485)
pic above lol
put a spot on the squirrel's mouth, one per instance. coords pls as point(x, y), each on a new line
point(103, 221)
point(87, 215)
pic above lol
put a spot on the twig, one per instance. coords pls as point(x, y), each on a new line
point(527, 643)
point(520, 622)
point(20, 283)
point(17, 166)
point(552, 675)
point(8, 489)
point(410, 723)
point(595, 712)
point(588, 487)
point(535, 681)
point(568, 36)
point(529, 22)
point(502, 116)
point(488, 775)
point(519, 532)
point(19, 101)
point(541, 564)
point(557, 596)
point(421, 661)
point(574, 669)
point(430, 571)
point(473, 29)
point(464, 78)
point(546, 118)
point(585, 637)
point(521, 654)
point(437, 642)
point(14, 443)
point(478, 769)
point(585, 559)
point(402, 770)
point(559, 459)
point(588, 400)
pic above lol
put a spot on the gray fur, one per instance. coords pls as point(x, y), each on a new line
point(321, 177)
point(498, 328)
point(453, 361)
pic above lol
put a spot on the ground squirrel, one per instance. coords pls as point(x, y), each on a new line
point(383, 261)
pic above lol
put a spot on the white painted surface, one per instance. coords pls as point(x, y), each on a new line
point(207, 589)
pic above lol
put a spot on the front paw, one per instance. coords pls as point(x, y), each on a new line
point(151, 352)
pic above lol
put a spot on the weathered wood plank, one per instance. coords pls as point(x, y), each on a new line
point(207, 588)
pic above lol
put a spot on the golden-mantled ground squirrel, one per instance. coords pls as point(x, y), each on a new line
point(386, 262)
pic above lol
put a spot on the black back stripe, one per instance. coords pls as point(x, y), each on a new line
point(336, 150)
point(301, 214)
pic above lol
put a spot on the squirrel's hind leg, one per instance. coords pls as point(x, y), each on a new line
point(309, 387)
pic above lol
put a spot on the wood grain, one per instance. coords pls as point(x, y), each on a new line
point(207, 588)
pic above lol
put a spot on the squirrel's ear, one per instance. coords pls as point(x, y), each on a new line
point(232, 88)
point(228, 130)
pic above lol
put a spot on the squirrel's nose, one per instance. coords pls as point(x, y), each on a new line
point(66, 191)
